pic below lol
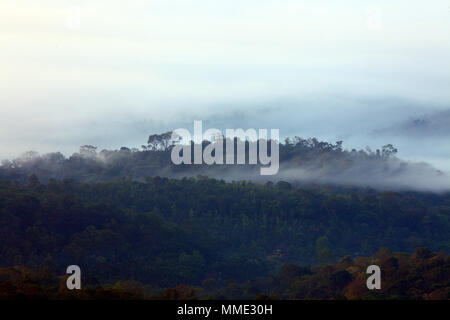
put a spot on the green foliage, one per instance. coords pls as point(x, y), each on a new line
point(165, 232)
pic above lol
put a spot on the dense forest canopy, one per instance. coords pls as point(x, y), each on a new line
point(422, 275)
point(164, 232)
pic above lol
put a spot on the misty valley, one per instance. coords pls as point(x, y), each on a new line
point(224, 159)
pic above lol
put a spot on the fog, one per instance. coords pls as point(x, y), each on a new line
point(109, 74)
point(303, 162)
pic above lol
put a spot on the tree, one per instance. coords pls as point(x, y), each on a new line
point(388, 151)
point(88, 151)
point(160, 141)
point(341, 278)
point(33, 181)
point(323, 252)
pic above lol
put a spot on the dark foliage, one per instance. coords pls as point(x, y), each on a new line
point(166, 232)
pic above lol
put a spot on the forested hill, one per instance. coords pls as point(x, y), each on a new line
point(132, 218)
point(166, 232)
point(302, 162)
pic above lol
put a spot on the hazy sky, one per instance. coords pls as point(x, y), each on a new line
point(109, 73)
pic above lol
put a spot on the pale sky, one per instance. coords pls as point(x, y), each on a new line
point(109, 73)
